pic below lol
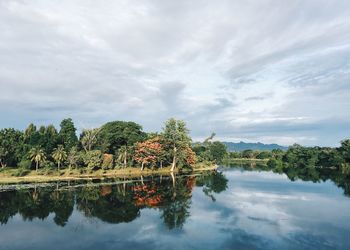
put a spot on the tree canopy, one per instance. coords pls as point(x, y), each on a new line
point(113, 135)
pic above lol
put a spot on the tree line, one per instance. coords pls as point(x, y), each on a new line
point(300, 157)
point(116, 144)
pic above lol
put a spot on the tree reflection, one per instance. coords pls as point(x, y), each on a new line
point(110, 202)
point(212, 183)
point(313, 174)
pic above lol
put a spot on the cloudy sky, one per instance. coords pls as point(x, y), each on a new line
point(269, 71)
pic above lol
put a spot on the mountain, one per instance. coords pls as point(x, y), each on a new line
point(240, 146)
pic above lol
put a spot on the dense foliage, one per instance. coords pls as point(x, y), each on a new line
point(114, 144)
point(210, 151)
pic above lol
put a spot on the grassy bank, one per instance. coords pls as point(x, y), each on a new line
point(246, 160)
point(12, 175)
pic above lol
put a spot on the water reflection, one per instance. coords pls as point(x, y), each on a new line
point(313, 174)
point(111, 203)
point(237, 209)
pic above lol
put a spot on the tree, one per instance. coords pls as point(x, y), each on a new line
point(3, 155)
point(190, 156)
point(107, 161)
point(73, 157)
point(217, 151)
point(37, 155)
point(67, 134)
point(89, 138)
point(59, 155)
point(29, 132)
point(148, 152)
point(11, 147)
point(176, 139)
point(47, 138)
point(209, 139)
point(123, 155)
point(248, 153)
point(264, 155)
point(345, 150)
point(114, 135)
point(93, 159)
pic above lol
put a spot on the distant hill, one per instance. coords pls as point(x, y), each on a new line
point(240, 146)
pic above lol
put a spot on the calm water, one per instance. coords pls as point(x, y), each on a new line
point(234, 210)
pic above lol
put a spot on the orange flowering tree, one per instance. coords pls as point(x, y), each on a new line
point(148, 152)
point(190, 158)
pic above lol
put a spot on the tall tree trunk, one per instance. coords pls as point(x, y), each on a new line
point(173, 179)
point(36, 166)
point(173, 165)
point(125, 155)
point(142, 165)
point(174, 185)
point(58, 166)
point(161, 164)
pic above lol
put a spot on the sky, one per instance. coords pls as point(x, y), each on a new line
point(267, 71)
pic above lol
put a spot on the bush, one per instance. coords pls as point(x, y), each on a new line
point(107, 162)
point(25, 164)
point(21, 172)
point(93, 159)
point(48, 165)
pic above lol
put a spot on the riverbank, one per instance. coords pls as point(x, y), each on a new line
point(8, 176)
point(246, 160)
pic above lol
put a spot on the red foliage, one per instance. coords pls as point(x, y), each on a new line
point(146, 196)
point(148, 152)
point(190, 156)
point(191, 181)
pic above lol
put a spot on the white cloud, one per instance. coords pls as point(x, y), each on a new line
point(256, 71)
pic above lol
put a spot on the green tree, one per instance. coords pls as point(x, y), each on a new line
point(67, 134)
point(59, 155)
point(11, 147)
point(37, 155)
point(345, 150)
point(123, 155)
point(93, 159)
point(114, 135)
point(217, 151)
point(30, 133)
point(248, 153)
point(264, 155)
point(73, 157)
point(46, 138)
point(3, 155)
point(176, 139)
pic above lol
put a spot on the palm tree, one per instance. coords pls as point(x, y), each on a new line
point(37, 155)
point(59, 155)
point(89, 138)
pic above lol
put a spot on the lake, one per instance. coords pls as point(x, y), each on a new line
point(229, 209)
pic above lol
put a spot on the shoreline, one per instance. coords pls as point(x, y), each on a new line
point(66, 175)
point(247, 160)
